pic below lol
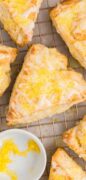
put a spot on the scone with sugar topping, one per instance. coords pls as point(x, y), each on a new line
point(7, 56)
point(63, 167)
point(69, 18)
point(75, 138)
point(44, 86)
point(19, 17)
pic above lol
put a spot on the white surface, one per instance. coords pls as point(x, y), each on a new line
point(30, 167)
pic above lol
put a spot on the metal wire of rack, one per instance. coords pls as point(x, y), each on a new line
point(48, 130)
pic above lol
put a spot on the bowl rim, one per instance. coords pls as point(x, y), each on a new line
point(37, 140)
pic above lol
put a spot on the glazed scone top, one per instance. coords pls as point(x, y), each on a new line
point(63, 167)
point(18, 18)
point(7, 56)
point(75, 12)
point(23, 11)
point(69, 19)
point(75, 138)
point(45, 86)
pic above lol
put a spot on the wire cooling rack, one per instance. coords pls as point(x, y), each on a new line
point(48, 130)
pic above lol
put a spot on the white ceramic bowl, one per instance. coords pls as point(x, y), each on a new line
point(30, 167)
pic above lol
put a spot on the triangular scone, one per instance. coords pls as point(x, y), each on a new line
point(44, 86)
point(7, 56)
point(75, 138)
point(69, 18)
point(63, 167)
point(19, 17)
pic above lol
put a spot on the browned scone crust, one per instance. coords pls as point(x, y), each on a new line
point(18, 18)
point(69, 18)
point(75, 138)
point(63, 167)
point(44, 86)
point(7, 56)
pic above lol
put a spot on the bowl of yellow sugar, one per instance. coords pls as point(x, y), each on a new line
point(22, 156)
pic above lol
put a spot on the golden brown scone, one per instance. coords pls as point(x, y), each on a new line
point(63, 167)
point(19, 17)
point(69, 18)
point(44, 86)
point(75, 138)
point(7, 56)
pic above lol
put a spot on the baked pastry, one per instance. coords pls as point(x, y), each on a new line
point(44, 86)
point(69, 18)
point(18, 18)
point(75, 138)
point(63, 167)
point(7, 56)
